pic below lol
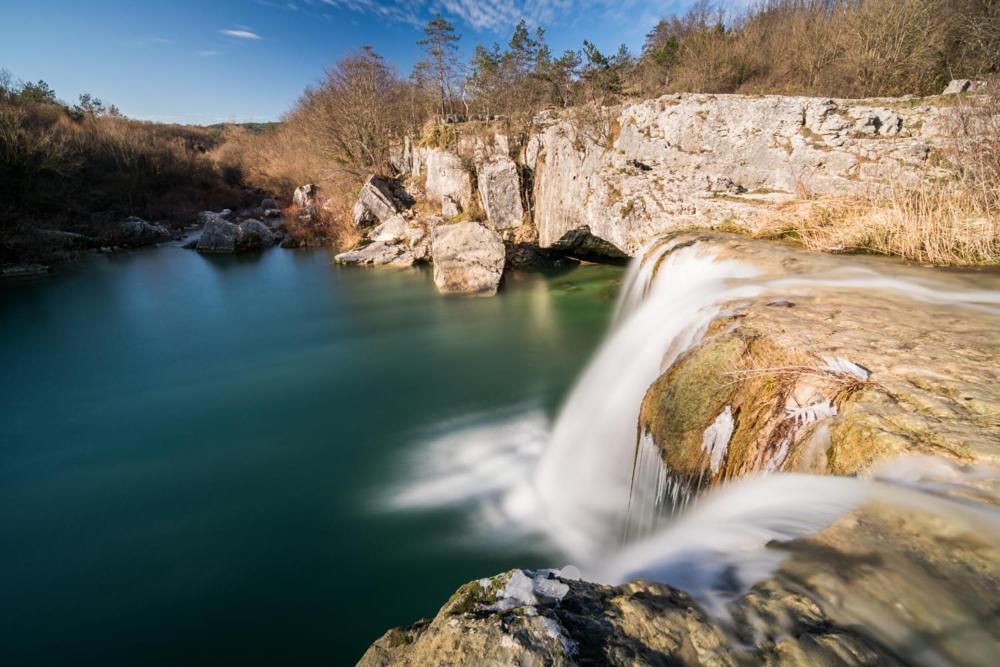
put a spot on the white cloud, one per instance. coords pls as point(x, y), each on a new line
point(240, 34)
point(209, 54)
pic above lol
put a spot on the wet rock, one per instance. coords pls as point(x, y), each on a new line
point(500, 192)
point(843, 382)
point(468, 258)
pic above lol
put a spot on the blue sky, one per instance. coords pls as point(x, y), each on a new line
point(235, 60)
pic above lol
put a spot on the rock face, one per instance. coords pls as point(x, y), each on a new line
point(636, 171)
point(468, 258)
point(377, 202)
point(500, 192)
point(447, 177)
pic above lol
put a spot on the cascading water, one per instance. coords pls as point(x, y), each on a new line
point(599, 492)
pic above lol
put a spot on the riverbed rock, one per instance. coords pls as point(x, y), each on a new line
point(500, 192)
point(270, 203)
point(468, 258)
point(377, 202)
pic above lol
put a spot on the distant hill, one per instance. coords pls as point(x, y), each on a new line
point(253, 127)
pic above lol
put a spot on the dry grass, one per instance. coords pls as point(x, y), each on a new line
point(937, 224)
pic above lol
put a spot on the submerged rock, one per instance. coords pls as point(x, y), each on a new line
point(468, 258)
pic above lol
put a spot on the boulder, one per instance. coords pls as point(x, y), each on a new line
point(272, 212)
point(956, 86)
point(500, 192)
point(393, 229)
point(137, 232)
point(206, 216)
point(378, 253)
point(377, 202)
point(468, 258)
point(218, 236)
point(270, 203)
point(253, 235)
point(305, 198)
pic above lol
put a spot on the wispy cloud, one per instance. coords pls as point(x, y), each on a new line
point(208, 54)
point(240, 34)
point(491, 14)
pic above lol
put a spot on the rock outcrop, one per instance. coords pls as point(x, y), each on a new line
point(447, 180)
point(379, 200)
point(707, 160)
point(468, 258)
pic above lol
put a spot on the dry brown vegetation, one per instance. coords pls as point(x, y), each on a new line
point(85, 168)
point(946, 221)
point(837, 48)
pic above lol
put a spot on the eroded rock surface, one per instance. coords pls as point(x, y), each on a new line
point(500, 192)
point(832, 376)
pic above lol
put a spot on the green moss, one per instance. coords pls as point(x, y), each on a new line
point(683, 402)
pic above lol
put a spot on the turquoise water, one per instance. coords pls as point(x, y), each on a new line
point(193, 449)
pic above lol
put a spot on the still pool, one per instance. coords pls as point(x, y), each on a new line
point(193, 449)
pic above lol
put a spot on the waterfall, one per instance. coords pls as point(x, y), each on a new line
point(584, 476)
